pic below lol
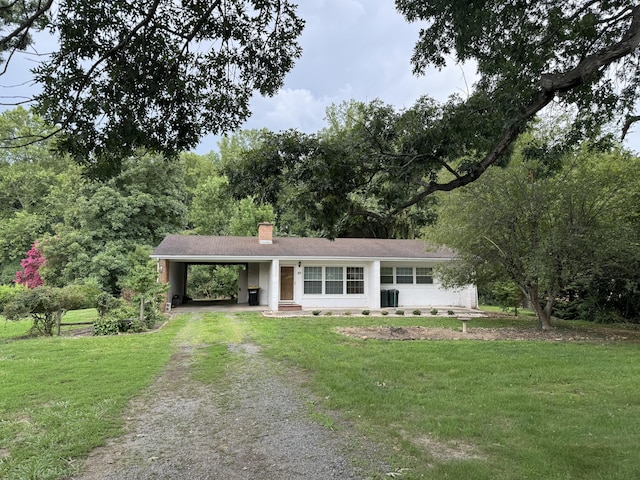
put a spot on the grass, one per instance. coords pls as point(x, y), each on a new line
point(474, 410)
point(12, 330)
point(444, 409)
point(60, 397)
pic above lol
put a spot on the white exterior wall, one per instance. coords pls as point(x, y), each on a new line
point(177, 279)
point(365, 300)
point(271, 275)
point(434, 294)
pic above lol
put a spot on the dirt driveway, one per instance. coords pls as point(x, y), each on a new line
point(256, 426)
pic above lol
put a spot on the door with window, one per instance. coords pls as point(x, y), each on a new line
point(286, 284)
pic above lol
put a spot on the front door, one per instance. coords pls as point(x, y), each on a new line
point(286, 283)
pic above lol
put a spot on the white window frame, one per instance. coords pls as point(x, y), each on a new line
point(346, 278)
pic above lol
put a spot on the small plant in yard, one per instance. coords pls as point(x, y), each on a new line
point(365, 312)
point(106, 326)
point(384, 312)
point(347, 313)
point(450, 313)
point(328, 313)
point(434, 311)
point(399, 312)
point(316, 312)
point(417, 312)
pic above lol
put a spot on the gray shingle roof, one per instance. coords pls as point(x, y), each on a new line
point(198, 246)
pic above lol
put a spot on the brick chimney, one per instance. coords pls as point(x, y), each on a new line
point(265, 233)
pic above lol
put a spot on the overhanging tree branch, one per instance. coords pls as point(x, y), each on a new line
point(551, 85)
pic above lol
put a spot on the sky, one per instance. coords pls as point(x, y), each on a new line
point(360, 50)
point(352, 49)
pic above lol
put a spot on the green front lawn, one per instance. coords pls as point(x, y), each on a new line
point(60, 397)
point(473, 409)
point(441, 409)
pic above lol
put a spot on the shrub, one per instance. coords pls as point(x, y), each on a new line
point(152, 316)
point(399, 312)
point(82, 295)
point(365, 312)
point(45, 305)
point(450, 312)
point(417, 312)
point(106, 326)
point(328, 313)
point(347, 313)
point(8, 293)
point(384, 312)
point(434, 311)
point(316, 312)
point(106, 303)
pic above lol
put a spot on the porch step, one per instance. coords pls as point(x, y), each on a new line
point(289, 307)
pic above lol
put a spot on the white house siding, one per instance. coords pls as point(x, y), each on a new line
point(326, 301)
point(434, 294)
point(177, 280)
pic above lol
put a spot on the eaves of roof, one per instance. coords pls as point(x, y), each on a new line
point(196, 248)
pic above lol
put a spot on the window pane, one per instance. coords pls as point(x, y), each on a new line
point(404, 274)
point(313, 280)
point(386, 274)
point(333, 287)
point(355, 273)
point(313, 286)
point(424, 275)
point(313, 273)
point(355, 280)
point(334, 273)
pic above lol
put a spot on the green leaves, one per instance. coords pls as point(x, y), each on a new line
point(154, 74)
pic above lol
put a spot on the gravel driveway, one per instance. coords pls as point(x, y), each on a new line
point(256, 426)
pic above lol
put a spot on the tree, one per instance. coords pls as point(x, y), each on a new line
point(142, 278)
point(349, 179)
point(533, 59)
point(45, 305)
point(36, 187)
point(544, 223)
point(110, 218)
point(579, 55)
point(30, 276)
point(156, 74)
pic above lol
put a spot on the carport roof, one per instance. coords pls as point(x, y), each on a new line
point(198, 247)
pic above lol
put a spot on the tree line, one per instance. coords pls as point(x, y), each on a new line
point(555, 225)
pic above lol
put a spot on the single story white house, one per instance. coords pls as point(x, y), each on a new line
point(316, 273)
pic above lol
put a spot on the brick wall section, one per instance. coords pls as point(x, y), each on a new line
point(265, 233)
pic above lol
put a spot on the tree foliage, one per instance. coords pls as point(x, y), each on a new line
point(582, 56)
point(546, 224)
point(373, 165)
point(36, 187)
point(156, 74)
point(110, 218)
point(142, 277)
point(44, 304)
point(30, 276)
point(343, 180)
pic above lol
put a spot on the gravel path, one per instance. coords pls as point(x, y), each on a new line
point(256, 427)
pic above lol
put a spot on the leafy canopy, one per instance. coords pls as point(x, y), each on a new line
point(546, 224)
point(156, 74)
point(581, 56)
